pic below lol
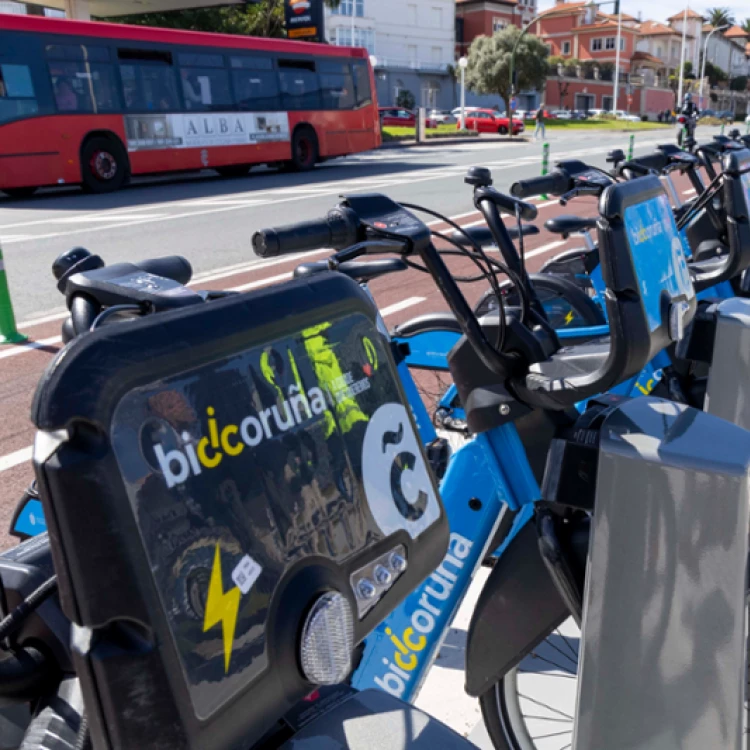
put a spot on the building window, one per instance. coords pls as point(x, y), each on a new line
point(566, 48)
point(412, 15)
point(596, 45)
point(498, 24)
point(437, 18)
point(347, 7)
point(658, 51)
point(622, 44)
point(609, 42)
point(437, 54)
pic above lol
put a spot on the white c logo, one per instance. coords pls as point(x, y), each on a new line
point(397, 482)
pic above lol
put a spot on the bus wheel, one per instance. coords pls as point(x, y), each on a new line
point(233, 170)
point(19, 193)
point(304, 149)
point(104, 165)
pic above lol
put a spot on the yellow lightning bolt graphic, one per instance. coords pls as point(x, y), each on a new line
point(222, 608)
point(569, 318)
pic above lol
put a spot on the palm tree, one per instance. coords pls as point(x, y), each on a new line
point(720, 17)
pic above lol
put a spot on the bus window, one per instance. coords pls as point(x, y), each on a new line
point(148, 80)
point(362, 83)
point(205, 89)
point(17, 96)
point(337, 84)
point(300, 86)
point(83, 86)
point(77, 52)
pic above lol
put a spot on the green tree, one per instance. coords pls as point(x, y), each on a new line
point(720, 16)
point(715, 74)
point(265, 18)
point(746, 25)
point(738, 84)
point(488, 71)
point(405, 99)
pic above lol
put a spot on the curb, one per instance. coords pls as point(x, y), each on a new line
point(452, 141)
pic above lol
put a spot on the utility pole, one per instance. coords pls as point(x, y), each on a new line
point(617, 57)
point(682, 58)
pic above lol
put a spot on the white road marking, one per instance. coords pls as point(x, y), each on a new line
point(543, 249)
point(409, 302)
point(130, 217)
point(29, 347)
point(17, 457)
point(548, 203)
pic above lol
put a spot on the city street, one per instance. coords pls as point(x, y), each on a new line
point(210, 221)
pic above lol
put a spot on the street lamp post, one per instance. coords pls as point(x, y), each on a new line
point(616, 89)
point(682, 57)
point(462, 63)
point(705, 56)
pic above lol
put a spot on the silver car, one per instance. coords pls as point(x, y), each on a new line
point(443, 117)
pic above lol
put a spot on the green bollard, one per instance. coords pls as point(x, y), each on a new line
point(8, 332)
point(545, 163)
point(631, 147)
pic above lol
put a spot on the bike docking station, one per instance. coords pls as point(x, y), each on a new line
point(663, 609)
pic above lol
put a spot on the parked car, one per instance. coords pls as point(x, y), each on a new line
point(521, 114)
point(443, 117)
point(626, 116)
point(401, 118)
point(598, 112)
point(457, 111)
point(562, 114)
point(489, 121)
point(707, 113)
point(726, 114)
point(579, 114)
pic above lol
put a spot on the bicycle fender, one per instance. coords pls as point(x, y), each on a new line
point(518, 608)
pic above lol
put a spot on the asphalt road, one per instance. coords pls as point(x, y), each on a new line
point(211, 220)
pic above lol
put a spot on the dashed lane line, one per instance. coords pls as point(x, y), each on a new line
point(23, 455)
point(17, 457)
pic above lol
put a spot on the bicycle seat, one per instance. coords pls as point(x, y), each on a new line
point(567, 224)
point(483, 237)
point(437, 321)
point(361, 271)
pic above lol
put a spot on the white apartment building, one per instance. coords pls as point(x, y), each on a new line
point(411, 42)
point(7, 6)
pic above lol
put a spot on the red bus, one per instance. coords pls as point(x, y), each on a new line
point(94, 103)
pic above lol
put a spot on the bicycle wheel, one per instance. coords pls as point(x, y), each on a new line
point(533, 706)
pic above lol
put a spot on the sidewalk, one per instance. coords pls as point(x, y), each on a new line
point(482, 137)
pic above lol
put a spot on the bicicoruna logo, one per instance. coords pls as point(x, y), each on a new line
point(397, 483)
point(230, 440)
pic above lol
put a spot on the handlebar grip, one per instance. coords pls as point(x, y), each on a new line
point(338, 230)
point(173, 267)
point(554, 183)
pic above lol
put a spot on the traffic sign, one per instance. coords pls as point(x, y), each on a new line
point(514, 103)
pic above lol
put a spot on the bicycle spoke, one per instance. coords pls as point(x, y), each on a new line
point(547, 736)
point(568, 644)
point(552, 663)
point(561, 652)
point(544, 705)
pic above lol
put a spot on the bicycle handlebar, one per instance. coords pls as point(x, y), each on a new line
point(338, 230)
point(554, 183)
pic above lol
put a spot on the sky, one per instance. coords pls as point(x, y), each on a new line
point(665, 8)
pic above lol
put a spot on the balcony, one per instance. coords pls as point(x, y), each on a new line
point(397, 62)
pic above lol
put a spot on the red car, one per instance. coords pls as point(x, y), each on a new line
point(488, 121)
point(403, 118)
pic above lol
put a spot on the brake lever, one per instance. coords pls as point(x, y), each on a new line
point(374, 246)
point(578, 190)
